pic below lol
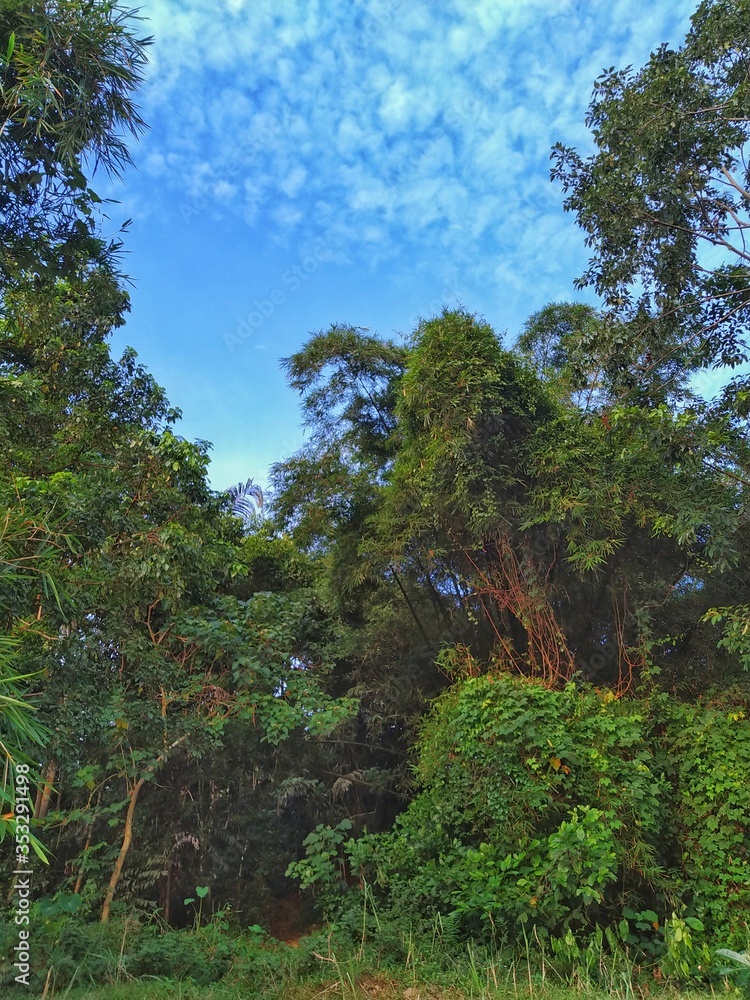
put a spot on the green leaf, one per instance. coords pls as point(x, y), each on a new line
point(741, 959)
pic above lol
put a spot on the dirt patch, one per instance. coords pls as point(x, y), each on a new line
point(289, 919)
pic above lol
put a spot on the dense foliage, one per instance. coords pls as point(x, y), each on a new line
point(519, 568)
point(570, 809)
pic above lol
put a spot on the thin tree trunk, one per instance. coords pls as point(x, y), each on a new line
point(127, 839)
point(81, 870)
point(414, 614)
point(44, 792)
point(166, 908)
point(79, 878)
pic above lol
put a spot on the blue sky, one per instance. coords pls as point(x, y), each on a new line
point(354, 161)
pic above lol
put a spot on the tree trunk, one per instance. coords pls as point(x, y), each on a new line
point(166, 909)
point(127, 839)
point(44, 792)
point(90, 828)
point(79, 877)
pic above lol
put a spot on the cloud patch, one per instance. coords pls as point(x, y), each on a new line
point(406, 126)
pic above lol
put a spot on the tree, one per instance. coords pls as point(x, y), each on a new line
point(140, 632)
point(27, 554)
point(68, 72)
point(158, 640)
point(533, 518)
point(553, 340)
point(665, 202)
point(326, 497)
point(468, 410)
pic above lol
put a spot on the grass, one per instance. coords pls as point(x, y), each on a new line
point(284, 974)
point(365, 986)
point(134, 962)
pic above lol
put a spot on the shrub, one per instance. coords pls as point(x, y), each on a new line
point(570, 810)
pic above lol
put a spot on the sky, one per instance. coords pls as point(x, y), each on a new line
point(349, 161)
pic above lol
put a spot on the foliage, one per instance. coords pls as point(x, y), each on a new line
point(127, 957)
point(709, 753)
point(324, 866)
point(471, 535)
point(126, 583)
point(739, 967)
point(553, 340)
point(180, 956)
point(664, 200)
point(567, 810)
point(245, 497)
point(67, 73)
point(67, 76)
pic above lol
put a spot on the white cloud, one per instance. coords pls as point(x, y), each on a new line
point(293, 182)
point(389, 122)
point(225, 191)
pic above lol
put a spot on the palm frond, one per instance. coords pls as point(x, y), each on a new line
point(245, 497)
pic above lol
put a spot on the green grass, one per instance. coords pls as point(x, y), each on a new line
point(133, 962)
point(282, 976)
point(367, 986)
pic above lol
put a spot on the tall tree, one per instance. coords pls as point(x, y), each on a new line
point(664, 201)
point(67, 74)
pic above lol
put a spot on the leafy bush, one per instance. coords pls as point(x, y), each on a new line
point(62, 945)
point(708, 761)
point(74, 952)
point(570, 810)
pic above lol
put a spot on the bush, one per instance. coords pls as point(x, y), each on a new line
point(570, 810)
point(77, 953)
point(707, 750)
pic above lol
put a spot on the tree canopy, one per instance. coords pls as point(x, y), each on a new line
point(664, 201)
point(68, 73)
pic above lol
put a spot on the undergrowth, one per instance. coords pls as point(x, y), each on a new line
point(126, 958)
